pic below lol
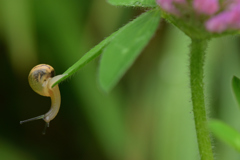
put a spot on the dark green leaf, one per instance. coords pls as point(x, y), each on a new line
point(236, 88)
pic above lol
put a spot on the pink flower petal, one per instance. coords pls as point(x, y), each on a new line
point(169, 5)
point(208, 7)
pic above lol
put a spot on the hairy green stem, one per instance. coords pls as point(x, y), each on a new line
point(197, 56)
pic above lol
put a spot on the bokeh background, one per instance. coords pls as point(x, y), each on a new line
point(147, 116)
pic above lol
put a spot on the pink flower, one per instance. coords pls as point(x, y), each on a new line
point(228, 19)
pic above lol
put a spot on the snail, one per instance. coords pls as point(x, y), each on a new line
point(41, 78)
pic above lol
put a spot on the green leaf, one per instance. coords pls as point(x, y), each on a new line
point(120, 54)
point(236, 88)
point(96, 51)
point(225, 133)
point(134, 3)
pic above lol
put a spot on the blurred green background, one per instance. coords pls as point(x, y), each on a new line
point(147, 116)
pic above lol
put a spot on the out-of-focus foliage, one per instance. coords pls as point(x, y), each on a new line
point(146, 117)
point(225, 133)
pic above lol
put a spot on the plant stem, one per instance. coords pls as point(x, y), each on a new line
point(197, 56)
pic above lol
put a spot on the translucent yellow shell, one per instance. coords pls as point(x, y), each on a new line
point(38, 78)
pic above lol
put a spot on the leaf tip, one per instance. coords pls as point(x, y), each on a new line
point(105, 87)
point(60, 79)
point(234, 78)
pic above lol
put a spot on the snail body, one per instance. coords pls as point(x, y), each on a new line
point(41, 78)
